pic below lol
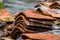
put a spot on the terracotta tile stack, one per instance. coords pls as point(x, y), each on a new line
point(32, 21)
point(48, 12)
point(6, 19)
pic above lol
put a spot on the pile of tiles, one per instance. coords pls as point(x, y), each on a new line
point(6, 19)
point(32, 21)
point(48, 12)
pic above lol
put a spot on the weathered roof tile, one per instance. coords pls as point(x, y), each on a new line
point(42, 36)
point(35, 14)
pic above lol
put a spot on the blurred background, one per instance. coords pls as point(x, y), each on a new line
point(20, 5)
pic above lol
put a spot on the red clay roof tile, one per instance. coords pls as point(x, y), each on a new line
point(42, 36)
point(5, 12)
point(35, 14)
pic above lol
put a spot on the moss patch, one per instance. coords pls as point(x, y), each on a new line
point(1, 6)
